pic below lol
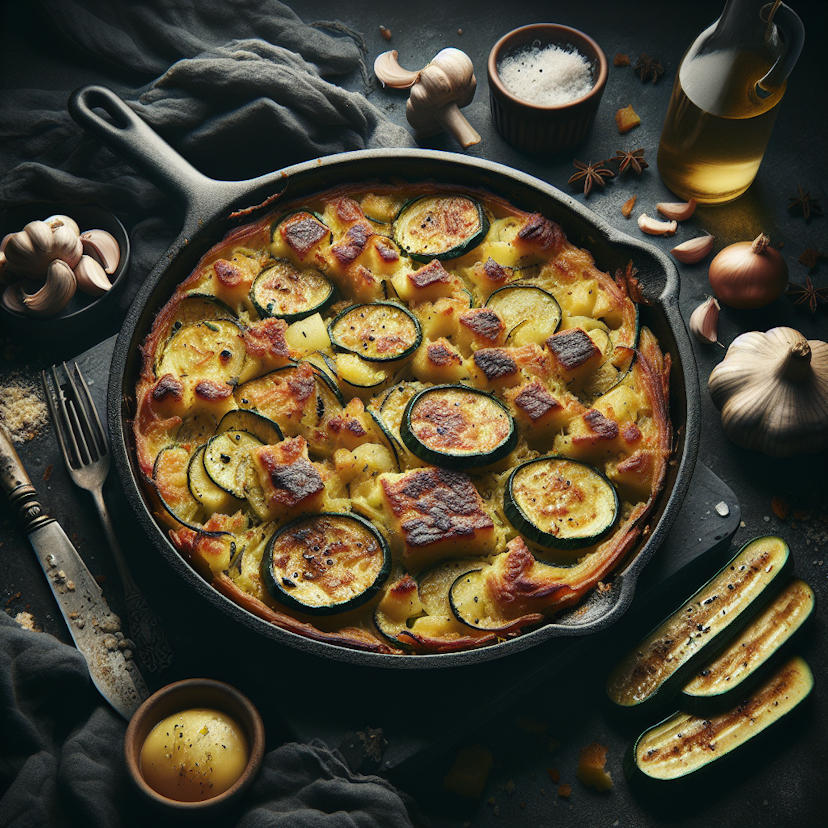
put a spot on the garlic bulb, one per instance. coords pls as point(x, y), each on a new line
point(704, 322)
point(437, 93)
point(63, 221)
point(55, 294)
point(772, 391)
point(30, 251)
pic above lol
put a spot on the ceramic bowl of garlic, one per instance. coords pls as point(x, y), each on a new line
point(545, 84)
point(62, 268)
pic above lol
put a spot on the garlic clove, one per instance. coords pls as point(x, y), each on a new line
point(655, 227)
point(390, 73)
point(91, 276)
point(55, 294)
point(694, 250)
point(677, 211)
point(12, 298)
point(704, 321)
point(66, 245)
point(40, 236)
point(63, 221)
point(103, 248)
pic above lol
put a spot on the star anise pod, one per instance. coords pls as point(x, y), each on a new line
point(807, 293)
point(647, 67)
point(805, 204)
point(634, 159)
point(591, 174)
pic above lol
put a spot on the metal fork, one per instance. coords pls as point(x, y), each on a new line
point(85, 448)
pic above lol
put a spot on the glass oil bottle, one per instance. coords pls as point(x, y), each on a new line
point(725, 100)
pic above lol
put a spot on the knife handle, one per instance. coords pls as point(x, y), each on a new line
point(18, 487)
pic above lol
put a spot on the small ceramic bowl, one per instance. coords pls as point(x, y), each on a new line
point(538, 128)
point(83, 310)
point(186, 695)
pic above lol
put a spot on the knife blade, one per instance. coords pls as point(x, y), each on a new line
point(93, 626)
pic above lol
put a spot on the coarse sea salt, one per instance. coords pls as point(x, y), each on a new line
point(548, 76)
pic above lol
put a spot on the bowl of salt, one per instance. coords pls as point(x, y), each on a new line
point(545, 85)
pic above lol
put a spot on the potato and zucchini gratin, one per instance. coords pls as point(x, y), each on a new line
point(406, 420)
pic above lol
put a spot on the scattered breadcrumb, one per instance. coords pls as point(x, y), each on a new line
point(386, 33)
point(23, 410)
point(554, 774)
point(626, 119)
point(621, 59)
point(468, 775)
point(810, 258)
point(27, 621)
point(627, 209)
point(565, 790)
point(592, 767)
point(780, 507)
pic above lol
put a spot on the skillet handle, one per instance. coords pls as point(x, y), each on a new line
point(143, 149)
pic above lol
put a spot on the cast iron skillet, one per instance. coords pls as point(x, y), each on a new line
point(210, 206)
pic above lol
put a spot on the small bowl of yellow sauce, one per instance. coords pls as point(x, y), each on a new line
point(194, 746)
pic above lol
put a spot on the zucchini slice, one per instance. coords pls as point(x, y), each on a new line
point(213, 349)
point(457, 427)
point(359, 377)
point(378, 332)
point(325, 564)
point(470, 605)
point(727, 679)
point(170, 478)
point(533, 309)
point(243, 419)
point(290, 294)
point(683, 745)
point(560, 503)
point(226, 458)
point(211, 496)
point(440, 227)
point(653, 672)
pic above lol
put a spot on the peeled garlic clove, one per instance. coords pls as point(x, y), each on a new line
point(390, 73)
point(103, 248)
point(63, 221)
point(704, 322)
point(91, 277)
point(655, 227)
point(55, 294)
point(677, 211)
point(694, 250)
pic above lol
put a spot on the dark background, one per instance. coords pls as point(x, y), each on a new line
point(779, 783)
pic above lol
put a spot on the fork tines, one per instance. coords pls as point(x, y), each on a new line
point(77, 424)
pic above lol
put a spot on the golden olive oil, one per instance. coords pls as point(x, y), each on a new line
point(717, 126)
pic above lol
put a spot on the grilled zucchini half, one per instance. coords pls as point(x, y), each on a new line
point(729, 677)
point(377, 332)
point(654, 671)
point(457, 427)
point(440, 227)
point(560, 503)
point(531, 313)
point(682, 747)
point(282, 291)
point(325, 564)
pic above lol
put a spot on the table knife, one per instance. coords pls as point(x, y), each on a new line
point(92, 625)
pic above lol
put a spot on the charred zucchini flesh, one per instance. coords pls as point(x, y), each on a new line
point(457, 427)
point(440, 227)
point(379, 332)
point(325, 564)
point(531, 314)
point(657, 668)
point(290, 294)
point(685, 744)
point(560, 503)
